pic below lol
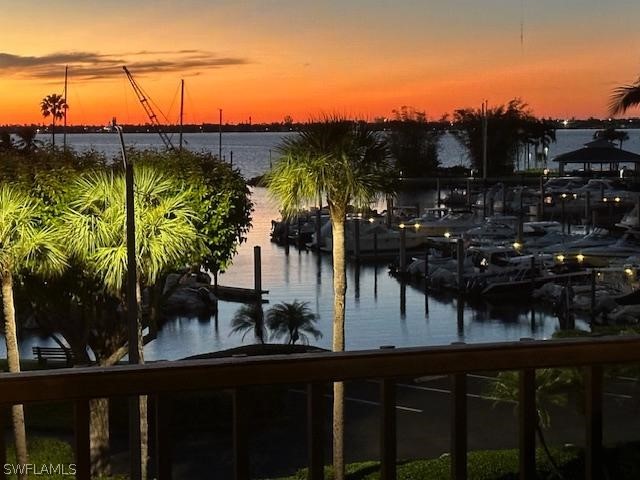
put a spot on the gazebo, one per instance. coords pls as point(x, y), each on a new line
point(602, 153)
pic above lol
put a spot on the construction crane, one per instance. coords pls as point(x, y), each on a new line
point(153, 118)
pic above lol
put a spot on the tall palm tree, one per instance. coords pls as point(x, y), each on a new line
point(166, 237)
point(294, 321)
point(625, 97)
point(346, 163)
point(53, 105)
point(26, 244)
point(249, 318)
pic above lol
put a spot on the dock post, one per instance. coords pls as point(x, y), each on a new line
point(541, 208)
point(257, 272)
point(318, 220)
point(375, 245)
point(460, 258)
point(587, 211)
point(389, 210)
point(403, 250)
point(594, 218)
point(520, 234)
point(286, 236)
point(356, 227)
point(299, 236)
point(593, 294)
point(563, 219)
point(468, 192)
point(231, 158)
point(533, 272)
point(504, 199)
point(418, 210)
point(484, 200)
point(438, 192)
point(426, 263)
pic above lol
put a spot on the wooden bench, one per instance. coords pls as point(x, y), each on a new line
point(54, 353)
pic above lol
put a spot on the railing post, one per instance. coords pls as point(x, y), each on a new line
point(593, 411)
point(163, 437)
point(240, 436)
point(459, 427)
point(388, 445)
point(315, 430)
point(3, 444)
point(82, 439)
point(528, 419)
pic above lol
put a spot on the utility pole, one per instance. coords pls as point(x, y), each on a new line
point(484, 139)
point(220, 137)
point(64, 131)
point(181, 111)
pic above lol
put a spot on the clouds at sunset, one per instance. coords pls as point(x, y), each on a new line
point(100, 66)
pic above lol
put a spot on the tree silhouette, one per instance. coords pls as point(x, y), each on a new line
point(625, 97)
point(249, 318)
point(53, 105)
point(294, 321)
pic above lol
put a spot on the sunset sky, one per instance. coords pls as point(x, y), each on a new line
point(271, 58)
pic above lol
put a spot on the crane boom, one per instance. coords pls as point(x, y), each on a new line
point(153, 118)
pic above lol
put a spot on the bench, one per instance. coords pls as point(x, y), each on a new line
point(54, 353)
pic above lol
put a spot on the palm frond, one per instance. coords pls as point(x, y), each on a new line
point(623, 98)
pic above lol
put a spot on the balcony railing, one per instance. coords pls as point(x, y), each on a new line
point(161, 380)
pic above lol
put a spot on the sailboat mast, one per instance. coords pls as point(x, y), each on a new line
point(64, 131)
point(181, 111)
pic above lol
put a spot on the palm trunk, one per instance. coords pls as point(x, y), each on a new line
point(99, 438)
point(13, 359)
point(339, 292)
point(547, 452)
point(53, 131)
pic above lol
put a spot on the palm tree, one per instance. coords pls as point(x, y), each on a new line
point(624, 97)
point(249, 318)
point(293, 321)
point(27, 142)
point(53, 105)
point(552, 385)
point(346, 163)
point(166, 237)
point(26, 245)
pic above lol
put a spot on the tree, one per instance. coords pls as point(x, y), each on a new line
point(27, 244)
point(505, 125)
point(346, 163)
point(53, 105)
point(166, 238)
point(294, 321)
point(249, 318)
point(27, 142)
point(612, 135)
point(624, 98)
point(552, 385)
point(414, 143)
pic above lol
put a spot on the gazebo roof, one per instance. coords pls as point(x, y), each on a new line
point(598, 151)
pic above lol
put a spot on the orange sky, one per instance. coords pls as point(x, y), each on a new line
point(267, 59)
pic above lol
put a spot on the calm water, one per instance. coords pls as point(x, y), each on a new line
point(375, 314)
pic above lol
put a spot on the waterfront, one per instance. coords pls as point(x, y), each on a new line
point(374, 314)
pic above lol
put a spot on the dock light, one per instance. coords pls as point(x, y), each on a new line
point(417, 225)
point(604, 199)
point(401, 225)
point(617, 199)
point(447, 235)
point(517, 245)
point(545, 171)
point(548, 200)
point(628, 271)
point(560, 258)
point(359, 214)
point(371, 220)
point(564, 195)
point(575, 195)
point(580, 258)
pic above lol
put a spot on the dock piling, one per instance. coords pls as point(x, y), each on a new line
point(460, 258)
point(541, 207)
point(356, 227)
point(403, 251)
point(438, 196)
point(257, 272)
point(318, 219)
point(587, 211)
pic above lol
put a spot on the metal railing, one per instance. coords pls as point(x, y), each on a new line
point(161, 380)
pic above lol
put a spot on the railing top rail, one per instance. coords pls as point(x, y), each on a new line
point(190, 375)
